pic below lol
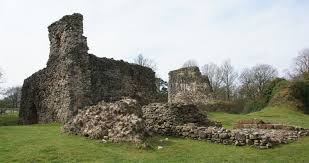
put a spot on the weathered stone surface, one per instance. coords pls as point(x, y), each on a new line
point(260, 124)
point(112, 80)
point(260, 138)
point(119, 121)
point(74, 79)
point(188, 85)
point(186, 120)
point(74, 83)
point(163, 118)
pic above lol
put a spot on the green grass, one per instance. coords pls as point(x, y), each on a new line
point(8, 119)
point(45, 143)
point(271, 114)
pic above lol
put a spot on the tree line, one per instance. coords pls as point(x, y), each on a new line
point(11, 96)
point(11, 100)
point(249, 86)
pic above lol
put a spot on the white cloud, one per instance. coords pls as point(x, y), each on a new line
point(168, 31)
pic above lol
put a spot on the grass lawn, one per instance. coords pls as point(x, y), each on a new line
point(8, 119)
point(271, 114)
point(45, 143)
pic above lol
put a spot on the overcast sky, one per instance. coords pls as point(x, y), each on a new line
point(168, 31)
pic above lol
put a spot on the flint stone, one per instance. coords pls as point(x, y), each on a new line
point(119, 121)
point(74, 79)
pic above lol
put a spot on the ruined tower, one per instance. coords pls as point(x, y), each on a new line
point(74, 79)
point(188, 85)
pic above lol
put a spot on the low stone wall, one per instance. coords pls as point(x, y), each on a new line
point(260, 124)
point(119, 121)
point(260, 138)
point(186, 120)
point(125, 120)
point(163, 118)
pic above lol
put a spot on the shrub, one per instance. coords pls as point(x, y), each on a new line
point(294, 94)
point(223, 106)
point(258, 104)
point(272, 87)
point(254, 106)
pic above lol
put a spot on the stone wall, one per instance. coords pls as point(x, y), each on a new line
point(260, 138)
point(163, 118)
point(59, 90)
point(74, 79)
point(186, 120)
point(111, 80)
point(260, 124)
point(188, 85)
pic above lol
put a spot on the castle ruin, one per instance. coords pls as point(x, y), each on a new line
point(188, 85)
point(74, 79)
point(112, 100)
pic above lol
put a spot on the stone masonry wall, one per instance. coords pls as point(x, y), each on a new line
point(74, 79)
point(163, 118)
point(186, 120)
point(260, 138)
point(56, 92)
point(111, 80)
point(188, 85)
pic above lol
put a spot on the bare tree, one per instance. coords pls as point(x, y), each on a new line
point(247, 85)
point(254, 80)
point(190, 63)
point(229, 76)
point(146, 62)
point(288, 74)
point(13, 94)
point(214, 74)
point(262, 74)
point(302, 64)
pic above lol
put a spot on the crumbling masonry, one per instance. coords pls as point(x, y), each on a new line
point(188, 85)
point(74, 79)
point(87, 94)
